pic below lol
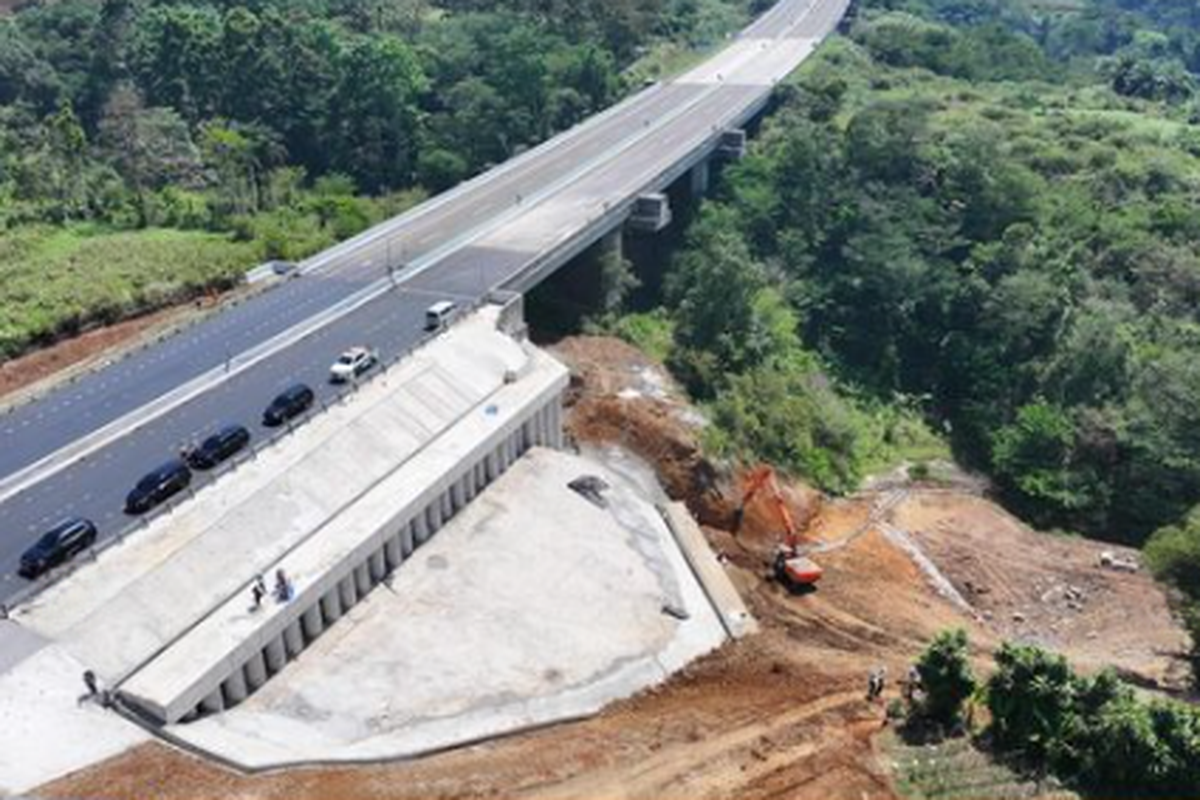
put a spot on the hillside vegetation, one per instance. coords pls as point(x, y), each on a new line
point(282, 124)
point(984, 213)
point(962, 216)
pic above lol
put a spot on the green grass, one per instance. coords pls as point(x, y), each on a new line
point(54, 281)
point(894, 435)
point(956, 770)
point(652, 332)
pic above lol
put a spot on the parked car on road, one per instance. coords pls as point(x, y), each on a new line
point(291, 403)
point(157, 486)
point(438, 315)
point(218, 447)
point(351, 364)
point(58, 545)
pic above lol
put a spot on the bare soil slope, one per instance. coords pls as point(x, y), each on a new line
point(1051, 590)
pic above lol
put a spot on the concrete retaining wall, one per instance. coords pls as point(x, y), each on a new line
point(234, 651)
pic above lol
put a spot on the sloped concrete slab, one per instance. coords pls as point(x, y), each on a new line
point(534, 605)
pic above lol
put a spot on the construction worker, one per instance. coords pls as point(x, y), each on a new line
point(912, 684)
point(875, 683)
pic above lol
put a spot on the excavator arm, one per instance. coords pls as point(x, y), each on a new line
point(790, 567)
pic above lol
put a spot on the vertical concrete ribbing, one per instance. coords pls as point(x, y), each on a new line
point(256, 671)
point(556, 423)
point(435, 519)
point(276, 654)
point(233, 689)
point(331, 605)
point(362, 579)
point(214, 703)
point(412, 533)
point(393, 550)
point(348, 592)
point(312, 620)
point(293, 635)
point(447, 507)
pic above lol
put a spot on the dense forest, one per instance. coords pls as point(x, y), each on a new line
point(196, 137)
point(978, 211)
point(983, 215)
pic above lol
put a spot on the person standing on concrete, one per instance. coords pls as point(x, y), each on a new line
point(257, 593)
point(283, 587)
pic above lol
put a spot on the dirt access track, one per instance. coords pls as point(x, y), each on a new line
point(781, 714)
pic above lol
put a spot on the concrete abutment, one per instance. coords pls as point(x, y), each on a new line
point(541, 426)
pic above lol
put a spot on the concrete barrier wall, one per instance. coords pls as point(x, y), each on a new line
point(254, 656)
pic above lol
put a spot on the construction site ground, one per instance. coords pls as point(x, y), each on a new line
point(782, 713)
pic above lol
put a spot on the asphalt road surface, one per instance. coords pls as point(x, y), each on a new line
point(79, 449)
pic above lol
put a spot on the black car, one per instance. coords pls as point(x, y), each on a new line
point(60, 543)
point(218, 447)
point(172, 477)
point(291, 403)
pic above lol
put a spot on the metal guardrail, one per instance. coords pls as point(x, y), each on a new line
point(208, 478)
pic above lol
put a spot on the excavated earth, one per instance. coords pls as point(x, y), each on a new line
point(782, 713)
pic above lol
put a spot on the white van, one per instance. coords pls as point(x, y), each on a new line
point(439, 314)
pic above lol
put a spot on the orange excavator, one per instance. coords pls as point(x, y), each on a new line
point(792, 569)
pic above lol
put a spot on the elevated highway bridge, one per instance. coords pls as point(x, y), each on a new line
point(78, 449)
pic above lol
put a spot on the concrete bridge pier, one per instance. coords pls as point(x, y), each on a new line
point(701, 178)
point(612, 244)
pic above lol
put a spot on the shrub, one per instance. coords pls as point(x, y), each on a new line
point(946, 677)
